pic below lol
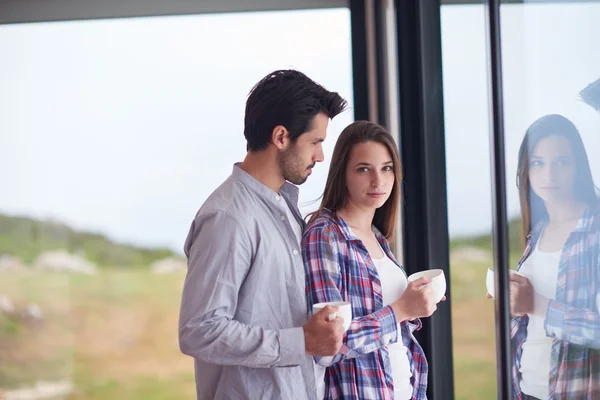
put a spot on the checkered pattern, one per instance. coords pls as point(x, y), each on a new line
point(572, 319)
point(338, 268)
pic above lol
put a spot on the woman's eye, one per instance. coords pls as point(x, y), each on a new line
point(536, 163)
point(388, 168)
point(363, 169)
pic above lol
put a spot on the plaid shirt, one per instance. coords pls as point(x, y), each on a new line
point(339, 268)
point(572, 319)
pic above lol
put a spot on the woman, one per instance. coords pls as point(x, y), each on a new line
point(555, 330)
point(347, 258)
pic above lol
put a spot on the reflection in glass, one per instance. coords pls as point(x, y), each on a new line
point(548, 56)
point(555, 330)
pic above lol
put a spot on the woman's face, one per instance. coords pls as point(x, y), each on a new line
point(552, 169)
point(370, 175)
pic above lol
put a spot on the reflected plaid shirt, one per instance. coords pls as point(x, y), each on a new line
point(338, 268)
point(572, 319)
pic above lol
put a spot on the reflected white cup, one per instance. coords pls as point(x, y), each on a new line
point(438, 281)
point(489, 280)
point(344, 311)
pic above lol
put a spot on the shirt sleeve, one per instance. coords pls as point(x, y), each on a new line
point(573, 325)
point(323, 266)
point(219, 254)
point(579, 326)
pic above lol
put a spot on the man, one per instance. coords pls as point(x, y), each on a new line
point(243, 310)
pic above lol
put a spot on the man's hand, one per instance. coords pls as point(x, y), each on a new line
point(321, 336)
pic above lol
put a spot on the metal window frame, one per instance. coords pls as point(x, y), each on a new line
point(499, 207)
point(26, 11)
point(422, 146)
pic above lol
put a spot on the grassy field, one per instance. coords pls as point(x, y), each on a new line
point(115, 334)
point(473, 331)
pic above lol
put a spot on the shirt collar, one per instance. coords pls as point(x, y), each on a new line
point(288, 190)
point(345, 228)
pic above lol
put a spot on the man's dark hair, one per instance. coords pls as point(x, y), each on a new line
point(591, 95)
point(288, 98)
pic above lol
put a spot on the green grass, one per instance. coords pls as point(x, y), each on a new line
point(473, 326)
point(106, 345)
point(115, 334)
point(484, 241)
point(147, 387)
point(9, 327)
point(477, 379)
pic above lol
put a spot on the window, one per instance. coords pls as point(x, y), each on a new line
point(113, 133)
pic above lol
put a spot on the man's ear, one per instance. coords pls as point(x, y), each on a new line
point(280, 137)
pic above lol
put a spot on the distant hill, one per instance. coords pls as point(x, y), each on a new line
point(485, 240)
point(26, 238)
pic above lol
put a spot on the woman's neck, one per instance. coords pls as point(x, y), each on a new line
point(358, 218)
point(564, 212)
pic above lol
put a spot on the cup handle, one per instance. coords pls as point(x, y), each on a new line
point(331, 317)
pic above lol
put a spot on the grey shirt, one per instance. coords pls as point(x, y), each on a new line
point(244, 302)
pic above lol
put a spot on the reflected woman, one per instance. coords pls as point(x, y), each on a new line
point(555, 329)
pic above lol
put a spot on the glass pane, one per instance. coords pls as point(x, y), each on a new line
point(469, 198)
point(549, 56)
point(113, 133)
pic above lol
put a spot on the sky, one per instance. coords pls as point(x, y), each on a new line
point(126, 126)
point(548, 55)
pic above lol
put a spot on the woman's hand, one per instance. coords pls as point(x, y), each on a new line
point(415, 302)
point(521, 294)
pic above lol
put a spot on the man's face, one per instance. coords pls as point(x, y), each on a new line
point(297, 161)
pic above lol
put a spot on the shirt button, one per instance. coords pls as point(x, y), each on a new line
point(295, 252)
point(277, 198)
point(283, 217)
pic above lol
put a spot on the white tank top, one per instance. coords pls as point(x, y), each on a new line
point(393, 284)
point(542, 271)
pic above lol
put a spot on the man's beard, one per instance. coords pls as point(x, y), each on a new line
point(291, 167)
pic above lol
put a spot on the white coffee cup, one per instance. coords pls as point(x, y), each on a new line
point(438, 281)
point(489, 280)
point(344, 311)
